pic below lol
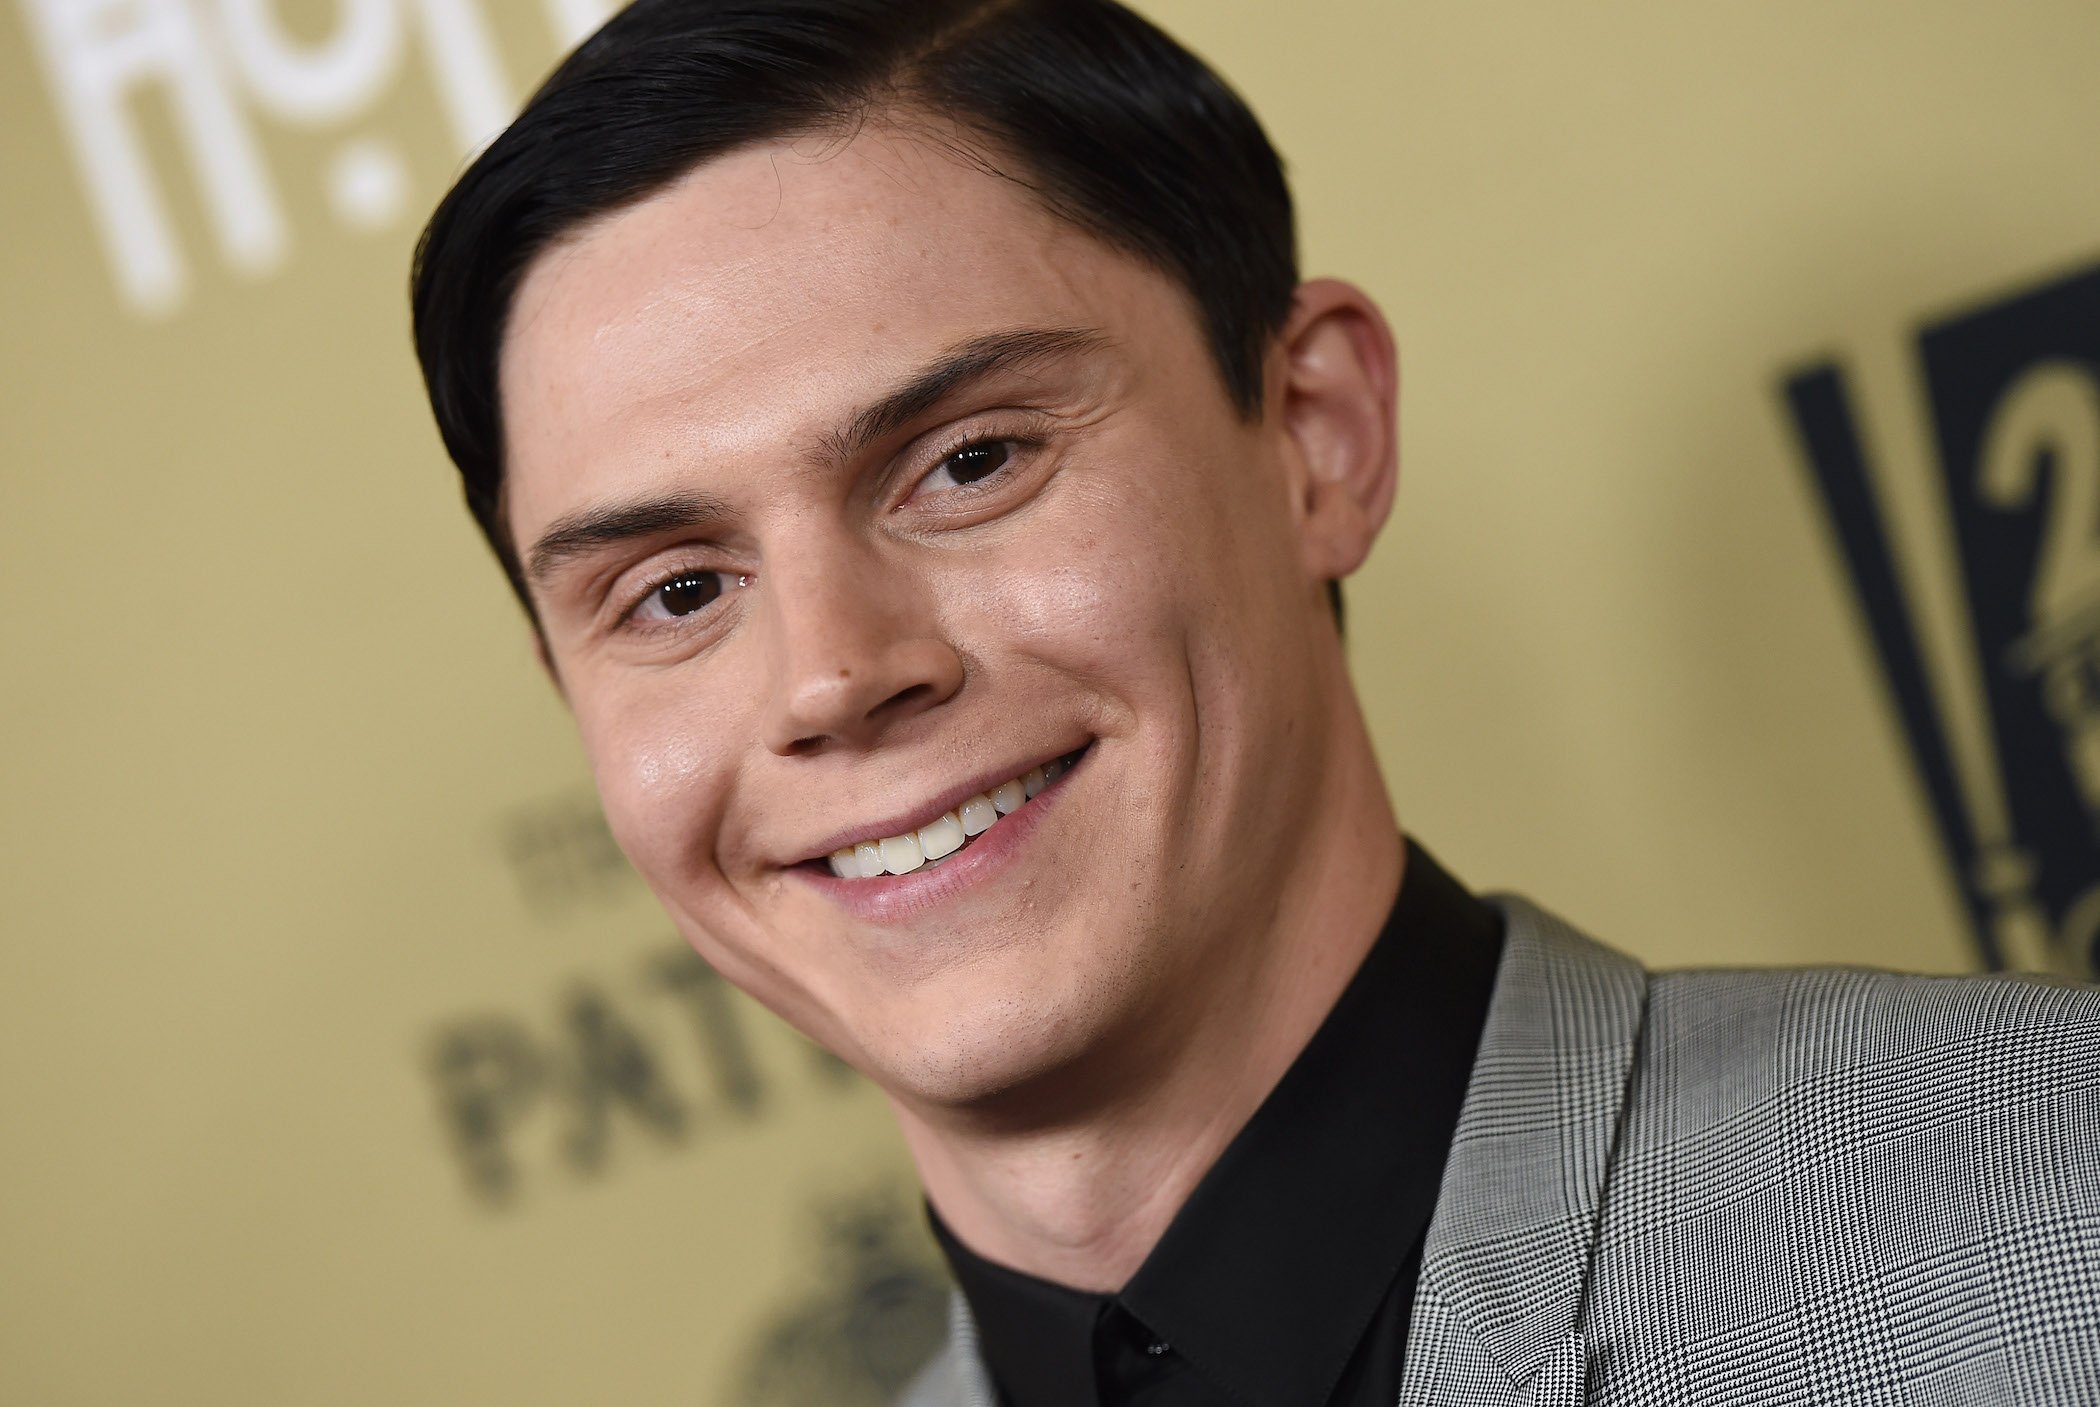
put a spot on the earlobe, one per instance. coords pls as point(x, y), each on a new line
point(1339, 401)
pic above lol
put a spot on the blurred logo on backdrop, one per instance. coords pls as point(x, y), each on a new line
point(1978, 575)
point(876, 1310)
point(660, 1057)
point(214, 75)
point(531, 1095)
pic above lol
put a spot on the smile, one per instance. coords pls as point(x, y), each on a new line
point(932, 844)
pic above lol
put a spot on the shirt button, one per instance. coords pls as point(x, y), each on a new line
point(1158, 1346)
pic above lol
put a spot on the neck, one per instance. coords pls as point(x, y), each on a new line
point(1078, 1190)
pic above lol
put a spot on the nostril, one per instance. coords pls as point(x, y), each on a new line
point(905, 700)
point(863, 687)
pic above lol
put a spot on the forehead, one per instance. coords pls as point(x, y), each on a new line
point(764, 295)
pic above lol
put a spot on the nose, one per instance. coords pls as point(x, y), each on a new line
point(855, 651)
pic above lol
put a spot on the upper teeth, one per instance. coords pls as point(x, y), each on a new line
point(901, 854)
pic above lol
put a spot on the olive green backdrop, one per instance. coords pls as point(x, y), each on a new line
point(342, 1061)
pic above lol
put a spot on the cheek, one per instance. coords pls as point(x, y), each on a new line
point(1170, 594)
point(661, 769)
point(1140, 566)
point(1099, 582)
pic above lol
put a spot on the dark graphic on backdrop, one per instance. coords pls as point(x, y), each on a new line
point(2003, 722)
point(528, 1100)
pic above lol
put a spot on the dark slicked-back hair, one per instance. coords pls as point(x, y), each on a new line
point(1107, 121)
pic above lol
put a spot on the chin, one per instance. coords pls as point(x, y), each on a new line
point(988, 1046)
point(986, 1077)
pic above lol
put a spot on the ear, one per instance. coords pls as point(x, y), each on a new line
point(1339, 403)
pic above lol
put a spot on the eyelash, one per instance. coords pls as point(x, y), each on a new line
point(631, 616)
point(1025, 438)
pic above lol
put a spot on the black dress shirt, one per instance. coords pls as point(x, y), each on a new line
point(1287, 1278)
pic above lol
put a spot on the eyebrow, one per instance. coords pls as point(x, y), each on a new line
point(957, 368)
point(589, 529)
point(583, 532)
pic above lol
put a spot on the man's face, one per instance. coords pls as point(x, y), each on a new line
point(796, 612)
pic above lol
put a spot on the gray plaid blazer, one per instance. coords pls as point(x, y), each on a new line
point(1815, 1186)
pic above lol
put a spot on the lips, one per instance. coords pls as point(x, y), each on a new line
point(951, 832)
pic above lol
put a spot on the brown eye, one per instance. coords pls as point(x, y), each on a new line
point(687, 593)
point(972, 463)
point(968, 465)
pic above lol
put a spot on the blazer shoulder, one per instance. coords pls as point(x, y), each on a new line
point(1800, 1021)
point(1836, 1185)
point(1777, 1079)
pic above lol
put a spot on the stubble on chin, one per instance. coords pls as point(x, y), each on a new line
point(1038, 1051)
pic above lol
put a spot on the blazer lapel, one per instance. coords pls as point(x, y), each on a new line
point(1498, 1312)
point(957, 1376)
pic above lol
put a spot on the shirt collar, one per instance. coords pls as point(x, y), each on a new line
point(1267, 1277)
point(1037, 1337)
